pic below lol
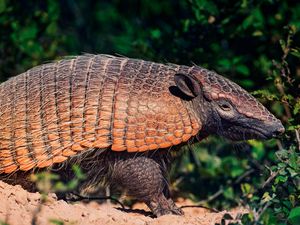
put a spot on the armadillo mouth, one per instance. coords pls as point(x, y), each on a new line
point(250, 129)
point(256, 132)
point(270, 131)
point(241, 133)
point(260, 134)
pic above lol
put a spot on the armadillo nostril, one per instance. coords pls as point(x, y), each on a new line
point(280, 130)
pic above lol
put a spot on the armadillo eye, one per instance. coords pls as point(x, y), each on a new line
point(225, 106)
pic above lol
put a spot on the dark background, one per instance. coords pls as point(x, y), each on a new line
point(255, 43)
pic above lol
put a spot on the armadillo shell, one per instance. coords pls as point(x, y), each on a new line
point(57, 110)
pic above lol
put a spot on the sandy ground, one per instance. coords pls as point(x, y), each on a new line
point(18, 207)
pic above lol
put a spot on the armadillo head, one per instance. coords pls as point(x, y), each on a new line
point(224, 108)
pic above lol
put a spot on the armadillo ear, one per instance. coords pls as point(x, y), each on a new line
point(188, 84)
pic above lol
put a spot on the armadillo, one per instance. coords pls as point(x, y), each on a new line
point(123, 112)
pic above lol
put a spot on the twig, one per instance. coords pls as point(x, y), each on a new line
point(221, 190)
point(212, 197)
point(240, 178)
point(298, 137)
point(279, 145)
point(200, 206)
point(270, 178)
point(280, 88)
point(259, 166)
point(38, 209)
point(107, 193)
point(261, 211)
point(80, 197)
point(285, 72)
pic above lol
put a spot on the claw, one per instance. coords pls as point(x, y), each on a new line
point(162, 206)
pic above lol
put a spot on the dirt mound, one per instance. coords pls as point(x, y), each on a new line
point(21, 207)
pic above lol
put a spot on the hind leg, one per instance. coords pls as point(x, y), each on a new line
point(143, 179)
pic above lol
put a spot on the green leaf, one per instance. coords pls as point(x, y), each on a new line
point(281, 179)
point(247, 83)
point(247, 188)
point(60, 186)
point(282, 44)
point(228, 193)
point(295, 52)
point(242, 69)
point(258, 149)
point(225, 63)
point(291, 128)
point(265, 94)
point(294, 216)
point(244, 4)
point(155, 34)
point(292, 199)
point(296, 107)
point(255, 19)
point(78, 172)
point(51, 29)
point(56, 222)
point(208, 6)
point(257, 33)
point(2, 6)
point(292, 172)
point(266, 197)
point(29, 32)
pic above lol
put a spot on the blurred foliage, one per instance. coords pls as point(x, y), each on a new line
point(253, 42)
point(46, 181)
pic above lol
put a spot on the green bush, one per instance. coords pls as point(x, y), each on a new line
point(255, 43)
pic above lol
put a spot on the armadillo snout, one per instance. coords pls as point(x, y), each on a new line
point(277, 129)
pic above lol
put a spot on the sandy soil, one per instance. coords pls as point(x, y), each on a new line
point(18, 207)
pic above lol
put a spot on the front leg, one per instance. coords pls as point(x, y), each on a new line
point(160, 206)
point(143, 179)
